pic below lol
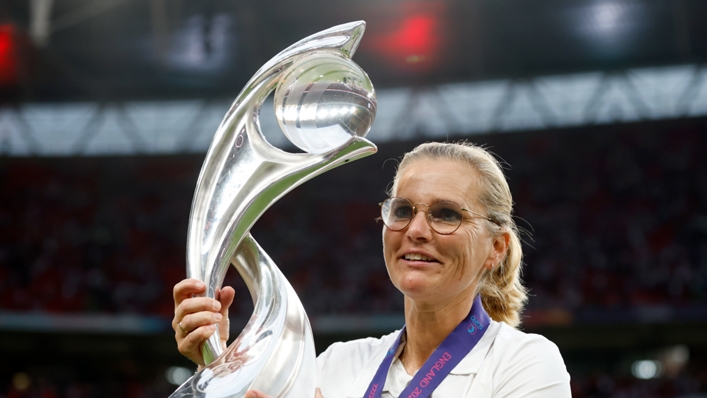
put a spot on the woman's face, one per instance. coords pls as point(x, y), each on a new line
point(432, 268)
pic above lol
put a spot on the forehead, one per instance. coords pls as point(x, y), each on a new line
point(429, 180)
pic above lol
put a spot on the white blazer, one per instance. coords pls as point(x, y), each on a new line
point(505, 363)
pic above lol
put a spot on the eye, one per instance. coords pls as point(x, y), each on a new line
point(402, 212)
point(447, 213)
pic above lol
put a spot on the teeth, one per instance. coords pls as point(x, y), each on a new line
point(417, 257)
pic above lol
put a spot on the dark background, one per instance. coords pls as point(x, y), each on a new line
point(167, 49)
point(90, 246)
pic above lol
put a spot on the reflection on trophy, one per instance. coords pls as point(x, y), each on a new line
point(325, 104)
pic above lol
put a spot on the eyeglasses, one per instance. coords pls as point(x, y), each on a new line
point(444, 216)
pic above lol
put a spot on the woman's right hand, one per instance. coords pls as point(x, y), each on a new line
point(196, 318)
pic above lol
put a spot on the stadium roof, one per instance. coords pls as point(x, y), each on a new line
point(435, 112)
point(133, 50)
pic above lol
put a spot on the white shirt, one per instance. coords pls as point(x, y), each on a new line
point(505, 363)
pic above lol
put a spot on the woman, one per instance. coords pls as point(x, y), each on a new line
point(452, 248)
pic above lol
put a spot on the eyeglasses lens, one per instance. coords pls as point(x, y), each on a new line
point(396, 213)
point(444, 216)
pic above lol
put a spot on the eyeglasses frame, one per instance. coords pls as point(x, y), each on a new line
point(429, 222)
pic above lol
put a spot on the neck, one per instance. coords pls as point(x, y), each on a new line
point(427, 326)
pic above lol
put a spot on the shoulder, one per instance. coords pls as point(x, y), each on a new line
point(360, 350)
point(346, 367)
point(512, 343)
point(529, 363)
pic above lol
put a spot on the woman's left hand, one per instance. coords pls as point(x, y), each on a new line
point(258, 394)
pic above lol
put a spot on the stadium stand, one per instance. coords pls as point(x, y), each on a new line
point(616, 221)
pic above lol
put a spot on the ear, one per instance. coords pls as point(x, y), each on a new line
point(498, 251)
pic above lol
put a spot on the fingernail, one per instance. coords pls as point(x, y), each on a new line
point(217, 305)
point(218, 317)
point(200, 285)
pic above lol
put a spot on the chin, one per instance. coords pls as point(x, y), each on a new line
point(413, 286)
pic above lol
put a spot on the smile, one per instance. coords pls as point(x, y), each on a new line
point(418, 257)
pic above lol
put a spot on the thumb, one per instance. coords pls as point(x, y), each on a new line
point(225, 296)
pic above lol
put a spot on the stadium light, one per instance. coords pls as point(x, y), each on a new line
point(177, 375)
point(646, 369)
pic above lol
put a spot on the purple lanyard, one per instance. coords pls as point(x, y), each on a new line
point(452, 350)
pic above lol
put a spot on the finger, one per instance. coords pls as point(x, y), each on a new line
point(225, 296)
point(185, 289)
point(189, 345)
point(196, 320)
point(203, 310)
point(194, 305)
point(318, 394)
point(192, 341)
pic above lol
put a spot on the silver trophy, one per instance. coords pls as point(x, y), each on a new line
point(325, 104)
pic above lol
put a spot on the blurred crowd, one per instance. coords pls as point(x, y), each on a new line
point(620, 217)
point(615, 218)
point(602, 385)
point(92, 234)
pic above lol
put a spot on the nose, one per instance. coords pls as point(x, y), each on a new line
point(419, 227)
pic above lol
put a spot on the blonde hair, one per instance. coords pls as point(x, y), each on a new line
point(502, 292)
